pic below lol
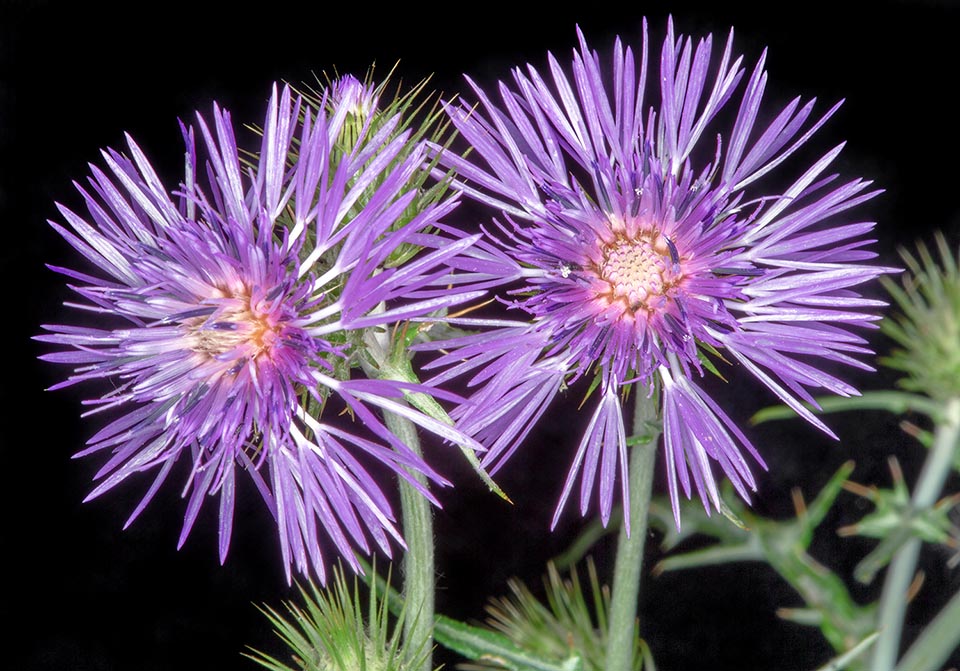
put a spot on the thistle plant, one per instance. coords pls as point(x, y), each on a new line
point(927, 331)
point(924, 329)
point(305, 305)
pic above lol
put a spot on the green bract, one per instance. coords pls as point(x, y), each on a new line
point(335, 631)
point(927, 328)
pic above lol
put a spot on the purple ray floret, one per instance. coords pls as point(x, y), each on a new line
point(226, 317)
point(648, 240)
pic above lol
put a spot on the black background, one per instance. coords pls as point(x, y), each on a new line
point(82, 594)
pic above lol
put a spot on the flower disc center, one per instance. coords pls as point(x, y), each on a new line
point(235, 325)
point(639, 271)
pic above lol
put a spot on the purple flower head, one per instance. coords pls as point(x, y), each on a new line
point(359, 98)
point(650, 248)
point(230, 318)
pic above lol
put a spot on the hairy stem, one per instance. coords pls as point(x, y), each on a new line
point(629, 559)
point(418, 561)
point(893, 601)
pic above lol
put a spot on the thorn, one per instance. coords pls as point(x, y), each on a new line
point(784, 613)
point(847, 531)
point(915, 586)
point(471, 308)
point(895, 471)
point(948, 501)
point(423, 327)
point(911, 429)
point(799, 505)
point(863, 491)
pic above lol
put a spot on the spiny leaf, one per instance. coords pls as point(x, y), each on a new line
point(398, 367)
point(485, 645)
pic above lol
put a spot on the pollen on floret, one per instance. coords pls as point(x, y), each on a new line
point(238, 325)
point(638, 271)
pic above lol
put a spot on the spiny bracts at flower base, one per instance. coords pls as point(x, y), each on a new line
point(230, 315)
point(926, 325)
point(651, 250)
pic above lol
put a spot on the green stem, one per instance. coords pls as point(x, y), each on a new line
point(893, 603)
point(629, 559)
point(934, 646)
point(418, 562)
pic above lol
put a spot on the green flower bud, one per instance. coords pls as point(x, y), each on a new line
point(335, 630)
point(927, 328)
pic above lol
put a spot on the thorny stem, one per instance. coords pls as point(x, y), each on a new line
point(629, 558)
point(418, 561)
point(900, 573)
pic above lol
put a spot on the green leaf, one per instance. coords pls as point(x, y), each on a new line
point(728, 512)
point(894, 520)
point(896, 402)
point(706, 361)
point(711, 556)
point(591, 533)
point(594, 383)
point(399, 367)
point(489, 646)
point(783, 545)
point(645, 433)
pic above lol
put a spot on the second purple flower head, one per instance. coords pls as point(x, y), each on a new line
point(651, 253)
